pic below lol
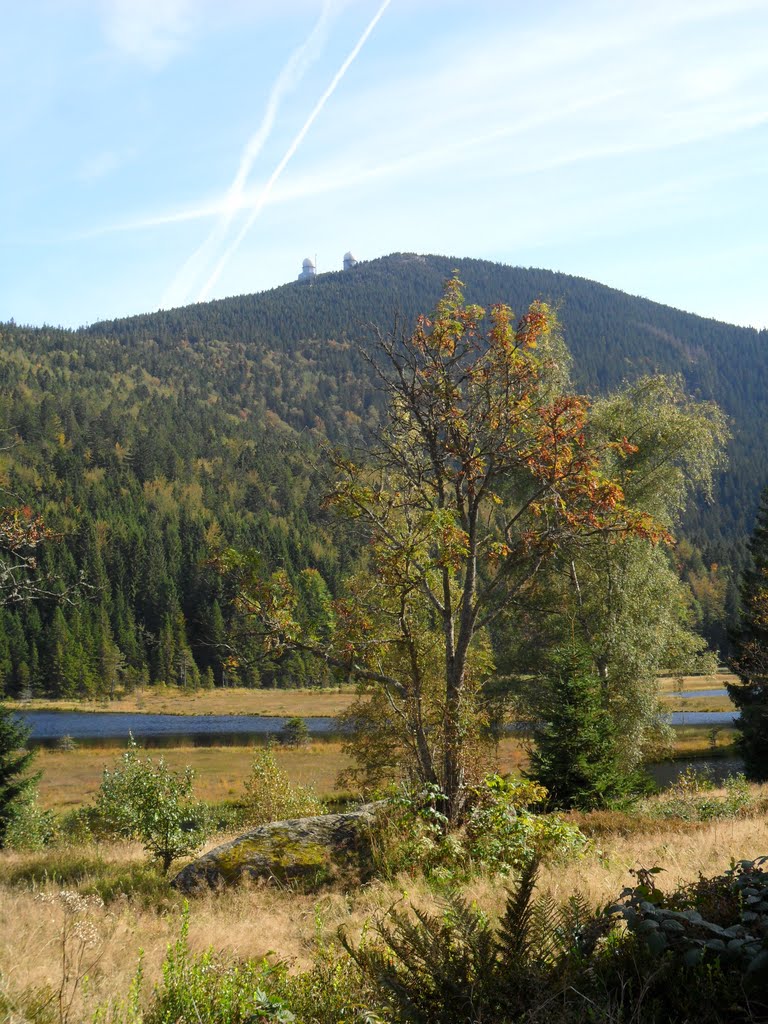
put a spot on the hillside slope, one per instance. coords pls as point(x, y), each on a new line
point(149, 442)
point(611, 335)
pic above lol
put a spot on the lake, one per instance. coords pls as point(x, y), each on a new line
point(112, 728)
point(699, 693)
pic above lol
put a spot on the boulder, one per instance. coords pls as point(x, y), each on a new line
point(313, 851)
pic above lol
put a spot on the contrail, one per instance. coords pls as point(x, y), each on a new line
point(265, 192)
point(289, 77)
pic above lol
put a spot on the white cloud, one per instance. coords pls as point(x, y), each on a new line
point(100, 165)
point(150, 31)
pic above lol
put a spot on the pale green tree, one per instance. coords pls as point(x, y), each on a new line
point(619, 597)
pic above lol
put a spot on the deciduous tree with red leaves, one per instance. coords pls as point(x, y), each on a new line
point(485, 469)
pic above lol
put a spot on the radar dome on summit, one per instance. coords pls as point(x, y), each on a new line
point(308, 270)
point(349, 261)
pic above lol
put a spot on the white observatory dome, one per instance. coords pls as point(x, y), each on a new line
point(348, 257)
point(308, 263)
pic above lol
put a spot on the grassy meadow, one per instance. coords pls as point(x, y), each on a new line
point(76, 920)
point(141, 916)
point(70, 778)
point(172, 700)
point(314, 703)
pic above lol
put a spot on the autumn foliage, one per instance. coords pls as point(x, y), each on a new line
point(485, 469)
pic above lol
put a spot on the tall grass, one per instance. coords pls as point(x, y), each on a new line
point(140, 912)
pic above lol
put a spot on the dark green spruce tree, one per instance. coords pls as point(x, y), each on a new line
point(750, 654)
point(14, 763)
point(575, 755)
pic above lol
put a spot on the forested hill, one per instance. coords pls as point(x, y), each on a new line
point(149, 442)
point(611, 335)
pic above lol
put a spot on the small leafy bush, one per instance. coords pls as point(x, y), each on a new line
point(411, 834)
point(503, 834)
point(207, 989)
point(147, 800)
point(210, 988)
point(500, 833)
point(30, 827)
point(79, 826)
point(693, 798)
point(271, 796)
point(294, 732)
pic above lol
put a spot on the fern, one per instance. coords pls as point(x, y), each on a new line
point(454, 967)
point(433, 969)
point(514, 935)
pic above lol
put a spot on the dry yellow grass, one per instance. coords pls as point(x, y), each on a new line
point(693, 740)
point(512, 755)
point(255, 921)
point(307, 703)
point(717, 703)
point(682, 855)
point(671, 685)
point(71, 778)
point(174, 701)
point(716, 681)
point(244, 923)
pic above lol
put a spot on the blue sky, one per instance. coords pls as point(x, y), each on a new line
point(159, 152)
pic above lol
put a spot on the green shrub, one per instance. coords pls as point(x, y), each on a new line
point(79, 826)
point(30, 827)
point(146, 800)
point(692, 798)
point(271, 796)
point(210, 989)
point(294, 732)
point(411, 833)
point(502, 834)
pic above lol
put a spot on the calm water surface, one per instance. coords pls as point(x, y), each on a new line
point(700, 693)
point(112, 728)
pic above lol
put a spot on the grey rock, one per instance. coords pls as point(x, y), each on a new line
point(309, 850)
